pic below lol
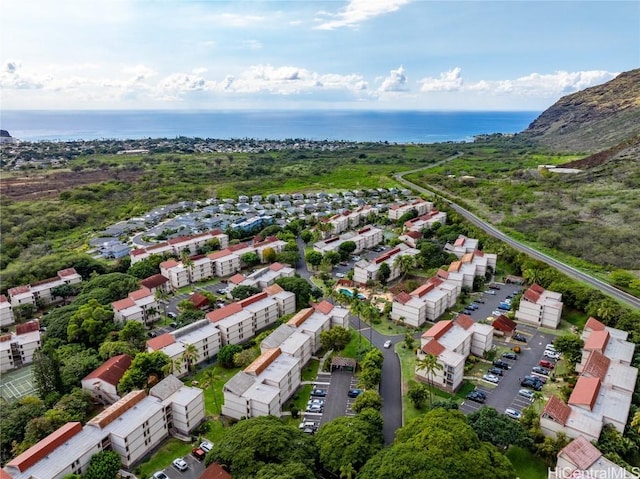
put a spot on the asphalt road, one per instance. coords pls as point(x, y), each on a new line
point(493, 231)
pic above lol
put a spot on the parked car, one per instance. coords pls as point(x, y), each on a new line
point(473, 307)
point(513, 413)
point(387, 344)
point(480, 300)
point(317, 408)
point(354, 393)
point(206, 446)
point(529, 383)
point(222, 291)
point(550, 347)
point(172, 315)
point(160, 475)
point(198, 453)
point(173, 324)
point(477, 396)
point(513, 356)
point(339, 275)
point(519, 337)
point(494, 286)
point(527, 393)
point(492, 378)
point(546, 364)
point(551, 354)
point(540, 378)
point(496, 371)
point(306, 424)
point(319, 392)
point(496, 312)
point(540, 370)
point(491, 292)
point(499, 363)
point(180, 464)
point(319, 402)
point(467, 311)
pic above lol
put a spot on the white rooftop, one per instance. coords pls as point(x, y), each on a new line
point(133, 418)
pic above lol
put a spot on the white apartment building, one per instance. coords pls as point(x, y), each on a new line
point(17, 349)
point(6, 312)
point(40, 292)
point(426, 221)
point(540, 307)
point(176, 273)
point(183, 406)
point(290, 341)
point(603, 393)
point(139, 305)
point(421, 206)
point(462, 246)
point(365, 271)
point(262, 277)
point(102, 383)
point(263, 387)
point(350, 219)
point(452, 342)
point(470, 265)
point(367, 237)
point(426, 303)
point(176, 246)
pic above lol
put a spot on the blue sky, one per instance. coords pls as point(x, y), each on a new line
point(358, 54)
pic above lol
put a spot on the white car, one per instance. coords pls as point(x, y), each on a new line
point(339, 275)
point(513, 413)
point(551, 354)
point(492, 378)
point(160, 475)
point(180, 464)
point(206, 446)
point(387, 344)
point(550, 347)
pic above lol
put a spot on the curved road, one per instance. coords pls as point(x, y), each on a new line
point(493, 231)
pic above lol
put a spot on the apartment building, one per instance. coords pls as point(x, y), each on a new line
point(40, 293)
point(470, 265)
point(452, 342)
point(177, 274)
point(17, 349)
point(139, 305)
point(176, 246)
point(102, 383)
point(365, 270)
point(133, 426)
point(364, 238)
point(157, 282)
point(290, 341)
point(205, 336)
point(581, 459)
point(262, 277)
point(6, 312)
point(462, 246)
point(262, 387)
point(540, 307)
point(426, 303)
point(426, 221)
point(603, 393)
point(315, 320)
point(420, 206)
point(349, 219)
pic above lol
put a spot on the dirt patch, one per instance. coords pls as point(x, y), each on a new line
point(51, 185)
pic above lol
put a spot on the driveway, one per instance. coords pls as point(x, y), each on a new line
point(195, 469)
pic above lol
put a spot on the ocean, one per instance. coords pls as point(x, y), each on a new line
point(361, 126)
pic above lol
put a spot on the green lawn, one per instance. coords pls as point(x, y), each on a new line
point(222, 375)
point(526, 465)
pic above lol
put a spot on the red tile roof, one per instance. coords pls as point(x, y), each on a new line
point(438, 330)
point(403, 297)
point(262, 362)
point(597, 341)
point(19, 290)
point(276, 266)
point(123, 304)
point(170, 263)
point(324, 307)
point(140, 293)
point(531, 296)
point(253, 299)
point(594, 324)
point(467, 258)
point(597, 365)
point(45, 447)
point(502, 323)
point(5, 475)
point(117, 409)
point(3, 299)
point(67, 272)
point(273, 289)
point(161, 341)
point(433, 347)
point(460, 241)
point(154, 281)
point(422, 290)
point(220, 314)
point(455, 266)
point(585, 392)
point(112, 370)
point(29, 327)
point(442, 274)
point(219, 254)
point(537, 288)
point(557, 410)
point(237, 278)
point(300, 317)
point(581, 453)
point(199, 300)
point(215, 471)
point(465, 321)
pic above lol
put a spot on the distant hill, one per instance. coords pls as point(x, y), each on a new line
point(591, 120)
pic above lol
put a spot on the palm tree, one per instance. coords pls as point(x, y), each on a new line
point(537, 397)
point(210, 378)
point(369, 314)
point(429, 363)
point(347, 471)
point(190, 356)
point(173, 366)
point(324, 227)
point(162, 297)
point(404, 263)
point(356, 309)
point(186, 262)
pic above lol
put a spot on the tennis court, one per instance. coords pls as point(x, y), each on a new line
point(17, 384)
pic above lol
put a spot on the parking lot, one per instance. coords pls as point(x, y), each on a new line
point(193, 472)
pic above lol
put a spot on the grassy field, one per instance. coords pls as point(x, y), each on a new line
point(526, 465)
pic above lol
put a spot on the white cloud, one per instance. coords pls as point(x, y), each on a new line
point(252, 44)
point(396, 81)
point(447, 81)
point(356, 12)
point(13, 76)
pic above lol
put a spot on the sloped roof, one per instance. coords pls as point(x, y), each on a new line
point(117, 409)
point(433, 347)
point(140, 293)
point(276, 266)
point(253, 299)
point(537, 288)
point(273, 289)
point(199, 300)
point(531, 296)
point(597, 341)
point(422, 290)
point(161, 341)
point(166, 387)
point(29, 327)
point(597, 365)
point(263, 361)
point(455, 266)
point(581, 453)
point(237, 278)
point(403, 297)
point(215, 471)
point(170, 263)
point(467, 258)
point(585, 392)
point(503, 323)
point(219, 254)
point(112, 370)
point(300, 317)
point(460, 241)
point(154, 281)
point(594, 324)
point(438, 330)
point(67, 272)
point(324, 307)
point(239, 383)
point(557, 410)
point(123, 304)
point(3, 299)
point(465, 321)
point(225, 312)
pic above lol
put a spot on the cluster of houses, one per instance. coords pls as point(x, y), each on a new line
point(42, 292)
point(17, 348)
point(367, 237)
point(603, 392)
point(540, 307)
point(132, 426)
point(264, 386)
